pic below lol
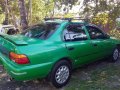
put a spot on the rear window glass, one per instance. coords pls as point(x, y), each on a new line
point(41, 31)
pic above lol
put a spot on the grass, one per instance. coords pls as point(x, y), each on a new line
point(101, 75)
point(106, 77)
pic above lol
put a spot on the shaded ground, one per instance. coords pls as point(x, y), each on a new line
point(101, 75)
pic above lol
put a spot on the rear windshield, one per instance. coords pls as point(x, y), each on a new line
point(41, 31)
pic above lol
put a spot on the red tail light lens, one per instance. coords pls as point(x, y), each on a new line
point(19, 58)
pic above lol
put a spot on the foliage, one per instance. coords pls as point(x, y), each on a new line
point(65, 4)
point(95, 7)
point(2, 18)
point(68, 15)
point(100, 19)
point(118, 23)
point(40, 9)
point(115, 33)
point(102, 11)
point(2, 15)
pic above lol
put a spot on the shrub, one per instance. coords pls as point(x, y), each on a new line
point(115, 33)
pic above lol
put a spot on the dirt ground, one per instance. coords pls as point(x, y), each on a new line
point(101, 75)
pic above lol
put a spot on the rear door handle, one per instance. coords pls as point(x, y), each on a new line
point(71, 48)
point(95, 45)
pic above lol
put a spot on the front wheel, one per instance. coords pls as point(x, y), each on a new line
point(61, 74)
point(115, 54)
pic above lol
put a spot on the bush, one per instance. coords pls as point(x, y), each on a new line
point(115, 33)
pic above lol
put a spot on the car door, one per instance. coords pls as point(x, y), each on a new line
point(78, 44)
point(99, 40)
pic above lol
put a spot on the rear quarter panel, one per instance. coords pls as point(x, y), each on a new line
point(47, 52)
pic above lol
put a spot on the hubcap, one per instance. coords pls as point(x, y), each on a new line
point(62, 74)
point(116, 54)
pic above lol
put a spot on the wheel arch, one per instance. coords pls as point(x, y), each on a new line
point(64, 58)
point(67, 59)
point(118, 45)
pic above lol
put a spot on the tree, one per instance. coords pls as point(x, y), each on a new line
point(40, 10)
point(110, 7)
point(65, 4)
point(6, 12)
point(29, 11)
point(22, 8)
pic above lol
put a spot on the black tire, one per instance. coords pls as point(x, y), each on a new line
point(115, 54)
point(57, 68)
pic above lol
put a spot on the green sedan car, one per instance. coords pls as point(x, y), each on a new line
point(54, 48)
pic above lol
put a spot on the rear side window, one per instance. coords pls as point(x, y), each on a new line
point(74, 32)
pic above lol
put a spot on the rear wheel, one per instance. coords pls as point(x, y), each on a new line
point(115, 54)
point(61, 74)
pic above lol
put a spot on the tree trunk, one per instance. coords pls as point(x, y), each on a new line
point(24, 23)
point(30, 6)
point(53, 12)
point(6, 21)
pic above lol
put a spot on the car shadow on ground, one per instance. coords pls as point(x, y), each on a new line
point(94, 76)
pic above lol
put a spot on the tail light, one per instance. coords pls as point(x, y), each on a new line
point(19, 58)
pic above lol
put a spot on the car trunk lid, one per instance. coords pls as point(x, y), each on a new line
point(17, 40)
point(9, 43)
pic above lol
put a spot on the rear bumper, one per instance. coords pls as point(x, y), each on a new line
point(25, 72)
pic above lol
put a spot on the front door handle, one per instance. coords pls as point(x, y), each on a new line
point(71, 48)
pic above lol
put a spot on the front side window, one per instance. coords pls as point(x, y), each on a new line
point(41, 31)
point(95, 33)
point(74, 33)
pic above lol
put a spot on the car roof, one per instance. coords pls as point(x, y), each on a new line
point(64, 21)
point(68, 20)
point(55, 21)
